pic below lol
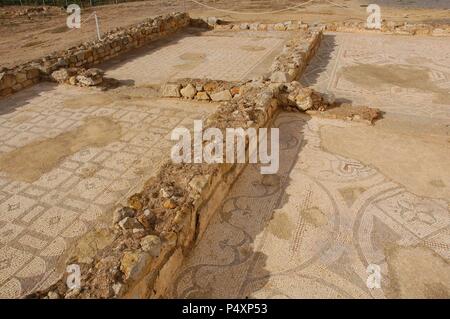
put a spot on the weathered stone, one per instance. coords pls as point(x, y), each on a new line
point(92, 72)
point(171, 90)
point(147, 219)
point(301, 98)
point(121, 213)
point(130, 223)
point(88, 81)
point(73, 80)
point(210, 87)
point(79, 55)
point(133, 263)
point(212, 20)
point(279, 27)
point(72, 293)
point(151, 244)
point(179, 221)
point(244, 26)
point(304, 101)
point(135, 202)
point(7, 80)
point(294, 26)
point(165, 192)
point(169, 204)
point(254, 26)
point(202, 96)
point(224, 95)
point(439, 32)
point(53, 295)
point(32, 74)
point(189, 91)
point(21, 77)
point(262, 27)
point(199, 182)
point(329, 98)
point(235, 90)
point(117, 288)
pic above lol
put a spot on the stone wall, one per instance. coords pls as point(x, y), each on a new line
point(388, 27)
point(87, 54)
point(201, 89)
point(160, 224)
point(286, 67)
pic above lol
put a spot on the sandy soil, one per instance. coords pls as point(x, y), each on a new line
point(27, 37)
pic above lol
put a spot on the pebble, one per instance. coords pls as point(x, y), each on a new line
point(169, 204)
point(53, 295)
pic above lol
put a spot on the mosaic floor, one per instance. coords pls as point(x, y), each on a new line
point(349, 199)
point(67, 156)
point(398, 74)
point(229, 56)
point(313, 230)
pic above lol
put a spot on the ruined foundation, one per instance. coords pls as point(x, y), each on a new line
point(161, 223)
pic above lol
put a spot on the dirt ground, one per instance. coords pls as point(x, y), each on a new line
point(31, 36)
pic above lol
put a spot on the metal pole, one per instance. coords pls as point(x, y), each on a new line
point(97, 26)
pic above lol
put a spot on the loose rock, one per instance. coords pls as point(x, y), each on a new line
point(189, 91)
point(151, 244)
point(170, 204)
point(202, 96)
point(133, 263)
point(130, 223)
point(221, 96)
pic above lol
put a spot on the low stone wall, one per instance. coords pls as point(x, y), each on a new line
point(291, 25)
point(292, 61)
point(160, 225)
point(201, 89)
point(390, 27)
point(87, 54)
point(286, 67)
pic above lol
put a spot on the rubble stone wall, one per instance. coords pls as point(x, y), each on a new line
point(87, 54)
point(388, 27)
point(391, 27)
